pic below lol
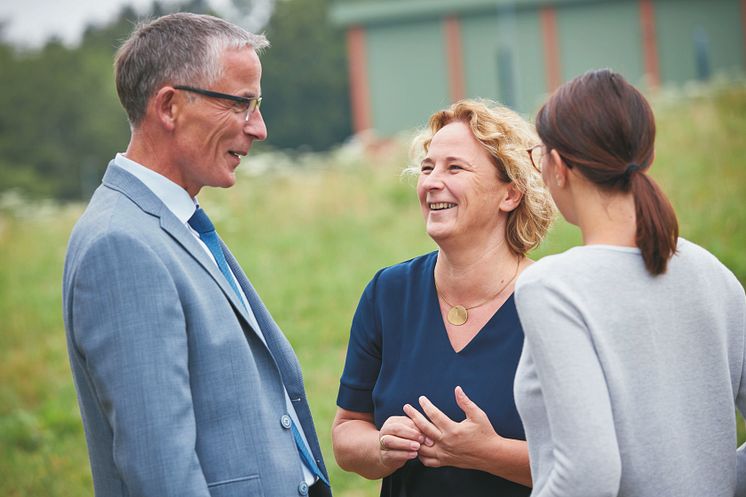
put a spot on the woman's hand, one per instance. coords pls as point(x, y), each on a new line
point(360, 447)
point(399, 440)
point(470, 444)
point(463, 445)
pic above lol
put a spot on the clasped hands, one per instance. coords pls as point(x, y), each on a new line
point(436, 439)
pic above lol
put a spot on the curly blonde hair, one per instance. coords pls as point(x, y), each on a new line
point(505, 136)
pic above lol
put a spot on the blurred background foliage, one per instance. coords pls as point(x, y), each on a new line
point(309, 220)
point(61, 122)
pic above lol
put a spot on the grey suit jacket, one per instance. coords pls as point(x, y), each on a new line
point(179, 395)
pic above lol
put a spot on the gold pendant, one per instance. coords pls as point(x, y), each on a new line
point(457, 315)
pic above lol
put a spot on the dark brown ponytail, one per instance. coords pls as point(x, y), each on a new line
point(604, 127)
point(657, 227)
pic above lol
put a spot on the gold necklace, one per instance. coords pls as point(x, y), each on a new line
point(458, 314)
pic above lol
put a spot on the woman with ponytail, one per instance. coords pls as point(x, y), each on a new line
point(635, 351)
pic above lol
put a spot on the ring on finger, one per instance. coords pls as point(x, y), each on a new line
point(380, 442)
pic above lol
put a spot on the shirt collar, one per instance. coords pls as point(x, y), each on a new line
point(175, 198)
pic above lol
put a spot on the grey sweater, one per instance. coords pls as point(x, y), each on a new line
point(628, 383)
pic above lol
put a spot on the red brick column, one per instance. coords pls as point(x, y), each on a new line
point(454, 58)
point(650, 43)
point(552, 69)
point(743, 30)
point(359, 89)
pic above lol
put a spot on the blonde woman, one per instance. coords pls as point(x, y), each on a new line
point(426, 396)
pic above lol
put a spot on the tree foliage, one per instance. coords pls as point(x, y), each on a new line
point(304, 78)
point(61, 122)
point(59, 117)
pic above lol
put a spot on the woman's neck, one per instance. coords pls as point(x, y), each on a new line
point(607, 218)
point(473, 273)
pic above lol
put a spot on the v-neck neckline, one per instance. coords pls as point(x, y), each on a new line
point(443, 331)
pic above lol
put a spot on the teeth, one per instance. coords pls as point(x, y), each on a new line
point(235, 154)
point(439, 206)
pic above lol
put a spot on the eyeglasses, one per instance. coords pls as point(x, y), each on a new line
point(536, 154)
point(246, 105)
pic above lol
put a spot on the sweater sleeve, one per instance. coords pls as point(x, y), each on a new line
point(741, 404)
point(586, 459)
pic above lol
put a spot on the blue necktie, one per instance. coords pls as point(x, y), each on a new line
point(202, 225)
point(306, 456)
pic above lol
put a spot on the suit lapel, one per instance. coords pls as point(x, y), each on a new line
point(276, 341)
point(184, 237)
point(282, 352)
point(122, 181)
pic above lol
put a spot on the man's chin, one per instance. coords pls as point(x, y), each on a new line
point(226, 182)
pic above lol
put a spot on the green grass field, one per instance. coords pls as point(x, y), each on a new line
point(310, 238)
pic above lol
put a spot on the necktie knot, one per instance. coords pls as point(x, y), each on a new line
point(200, 222)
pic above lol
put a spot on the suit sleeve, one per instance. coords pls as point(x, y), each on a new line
point(130, 329)
point(583, 439)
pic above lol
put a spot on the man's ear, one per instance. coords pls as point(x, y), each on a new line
point(512, 198)
point(166, 106)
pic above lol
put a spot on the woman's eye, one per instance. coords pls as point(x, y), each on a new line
point(455, 167)
point(426, 169)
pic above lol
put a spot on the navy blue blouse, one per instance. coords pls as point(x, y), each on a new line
point(399, 350)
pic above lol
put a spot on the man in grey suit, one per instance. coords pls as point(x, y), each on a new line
point(186, 385)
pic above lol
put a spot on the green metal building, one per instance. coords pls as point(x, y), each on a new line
point(408, 58)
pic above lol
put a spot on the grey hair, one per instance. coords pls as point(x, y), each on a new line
point(180, 48)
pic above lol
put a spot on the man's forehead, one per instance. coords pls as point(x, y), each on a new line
point(240, 53)
point(241, 64)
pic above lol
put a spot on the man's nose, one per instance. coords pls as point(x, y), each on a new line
point(255, 126)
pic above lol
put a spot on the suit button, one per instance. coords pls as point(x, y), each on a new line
point(286, 422)
point(303, 488)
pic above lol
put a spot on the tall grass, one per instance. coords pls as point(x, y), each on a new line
point(310, 237)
